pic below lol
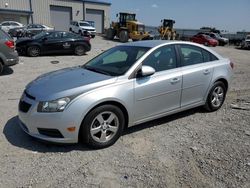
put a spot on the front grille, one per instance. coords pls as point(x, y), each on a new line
point(29, 96)
point(50, 132)
point(24, 106)
point(90, 30)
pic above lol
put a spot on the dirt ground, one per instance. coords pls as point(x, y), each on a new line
point(190, 149)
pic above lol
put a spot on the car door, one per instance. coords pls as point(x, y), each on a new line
point(197, 74)
point(160, 92)
point(68, 42)
point(53, 43)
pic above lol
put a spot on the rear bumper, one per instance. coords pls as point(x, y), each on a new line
point(12, 59)
point(10, 62)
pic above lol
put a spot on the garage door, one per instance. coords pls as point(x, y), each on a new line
point(60, 17)
point(97, 17)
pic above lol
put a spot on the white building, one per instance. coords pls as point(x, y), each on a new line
point(56, 13)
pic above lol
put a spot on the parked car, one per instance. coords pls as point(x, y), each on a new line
point(51, 42)
point(82, 27)
point(124, 86)
point(8, 55)
point(246, 43)
point(7, 25)
point(29, 30)
point(204, 39)
point(222, 41)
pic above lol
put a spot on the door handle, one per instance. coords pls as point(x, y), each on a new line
point(175, 80)
point(207, 71)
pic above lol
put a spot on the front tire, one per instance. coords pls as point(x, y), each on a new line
point(80, 50)
point(103, 126)
point(33, 51)
point(216, 97)
point(123, 36)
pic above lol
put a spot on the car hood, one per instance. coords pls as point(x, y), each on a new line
point(87, 27)
point(66, 82)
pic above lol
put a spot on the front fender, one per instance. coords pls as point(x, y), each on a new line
point(122, 93)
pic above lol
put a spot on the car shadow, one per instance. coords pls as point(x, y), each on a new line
point(17, 137)
point(163, 120)
point(7, 71)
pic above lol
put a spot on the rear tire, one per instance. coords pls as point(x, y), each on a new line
point(1, 67)
point(216, 97)
point(33, 51)
point(103, 126)
point(123, 36)
point(80, 50)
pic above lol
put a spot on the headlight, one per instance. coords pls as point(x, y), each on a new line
point(53, 106)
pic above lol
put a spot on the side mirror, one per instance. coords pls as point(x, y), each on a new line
point(146, 71)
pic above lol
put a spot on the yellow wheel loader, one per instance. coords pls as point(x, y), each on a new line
point(166, 30)
point(127, 28)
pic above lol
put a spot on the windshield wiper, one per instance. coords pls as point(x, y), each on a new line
point(96, 70)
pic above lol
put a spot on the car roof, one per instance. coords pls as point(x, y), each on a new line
point(155, 43)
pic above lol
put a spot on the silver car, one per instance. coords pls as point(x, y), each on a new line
point(8, 54)
point(124, 86)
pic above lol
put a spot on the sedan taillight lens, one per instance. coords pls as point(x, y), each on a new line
point(10, 44)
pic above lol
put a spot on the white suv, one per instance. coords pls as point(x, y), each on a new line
point(82, 27)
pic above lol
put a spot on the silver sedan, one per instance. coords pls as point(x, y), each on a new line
point(124, 86)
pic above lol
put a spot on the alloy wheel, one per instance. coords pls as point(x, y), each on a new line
point(34, 51)
point(217, 96)
point(104, 127)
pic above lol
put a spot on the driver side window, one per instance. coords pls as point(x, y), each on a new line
point(163, 58)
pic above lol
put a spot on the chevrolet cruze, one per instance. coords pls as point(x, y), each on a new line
point(124, 86)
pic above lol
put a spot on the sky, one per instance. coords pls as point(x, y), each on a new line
point(230, 15)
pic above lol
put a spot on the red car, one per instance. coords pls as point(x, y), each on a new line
point(204, 39)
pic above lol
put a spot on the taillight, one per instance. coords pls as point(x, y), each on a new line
point(231, 64)
point(10, 44)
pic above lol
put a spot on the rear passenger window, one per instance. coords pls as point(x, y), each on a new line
point(191, 55)
point(207, 56)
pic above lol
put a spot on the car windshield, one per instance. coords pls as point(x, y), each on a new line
point(84, 24)
point(40, 35)
point(116, 61)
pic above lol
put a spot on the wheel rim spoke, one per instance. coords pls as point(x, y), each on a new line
point(100, 119)
point(111, 118)
point(112, 129)
point(95, 130)
point(103, 136)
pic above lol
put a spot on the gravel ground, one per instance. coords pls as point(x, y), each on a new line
point(190, 149)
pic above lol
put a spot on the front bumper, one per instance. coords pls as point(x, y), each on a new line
point(32, 122)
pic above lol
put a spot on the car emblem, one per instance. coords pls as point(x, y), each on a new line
point(66, 45)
